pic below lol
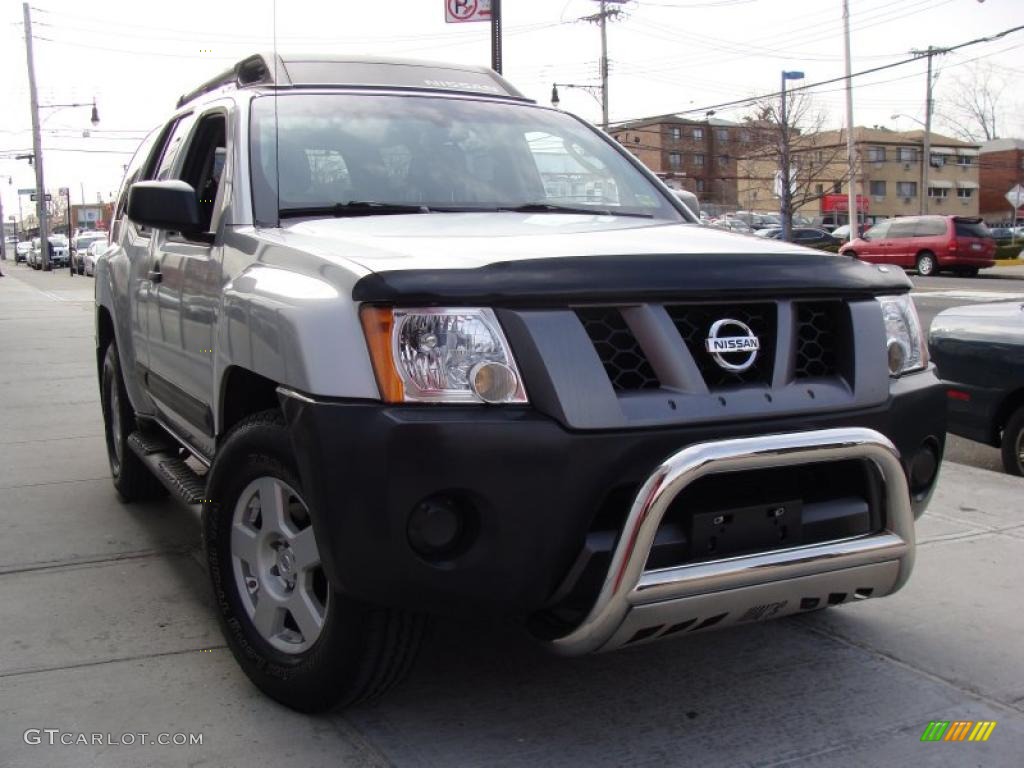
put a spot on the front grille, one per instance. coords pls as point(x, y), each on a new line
point(617, 347)
point(817, 338)
point(694, 321)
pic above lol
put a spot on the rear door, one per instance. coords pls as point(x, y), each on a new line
point(872, 246)
point(974, 241)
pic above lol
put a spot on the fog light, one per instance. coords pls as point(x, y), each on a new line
point(493, 382)
point(436, 526)
point(923, 467)
point(897, 356)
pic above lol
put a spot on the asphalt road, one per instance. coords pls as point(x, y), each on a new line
point(109, 629)
point(934, 294)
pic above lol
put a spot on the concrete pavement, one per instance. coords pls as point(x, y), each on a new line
point(107, 628)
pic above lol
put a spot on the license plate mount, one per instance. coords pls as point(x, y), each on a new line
point(746, 529)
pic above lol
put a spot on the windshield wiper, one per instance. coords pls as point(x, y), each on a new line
point(552, 208)
point(353, 208)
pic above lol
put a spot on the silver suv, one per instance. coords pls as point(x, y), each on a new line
point(418, 345)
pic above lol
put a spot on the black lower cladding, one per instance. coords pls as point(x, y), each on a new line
point(530, 489)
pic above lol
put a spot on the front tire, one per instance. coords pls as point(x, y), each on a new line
point(926, 265)
point(1012, 446)
point(300, 640)
point(132, 478)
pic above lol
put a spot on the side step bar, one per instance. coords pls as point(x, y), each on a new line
point(163, 458)
point(636, 604)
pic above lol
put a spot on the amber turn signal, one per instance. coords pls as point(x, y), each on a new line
point(378, 323)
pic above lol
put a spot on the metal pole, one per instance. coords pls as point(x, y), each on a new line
point(851, 159)
point(604, 67)
point(496, 35)
point(927, 159)
point(3, 232)
point(37, 144)
point(786, 223)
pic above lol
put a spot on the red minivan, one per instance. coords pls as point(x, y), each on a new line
point(928, 244)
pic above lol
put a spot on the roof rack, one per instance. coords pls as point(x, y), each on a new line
point(327, 71)
point(257, 69)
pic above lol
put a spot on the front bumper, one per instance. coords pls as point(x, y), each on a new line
point(535, 487)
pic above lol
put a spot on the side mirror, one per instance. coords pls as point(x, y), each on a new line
point(170, 205)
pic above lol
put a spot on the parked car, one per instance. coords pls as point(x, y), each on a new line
point(809, 236)
point(58, 256)
point(81, 245)
point(92, 253)
point(979, 351)
point(1001, 234)
point(842, 232)
point(418, 375)
point(22, 251)
point(929, 244)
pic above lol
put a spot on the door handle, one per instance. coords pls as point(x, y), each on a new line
point(155, 275)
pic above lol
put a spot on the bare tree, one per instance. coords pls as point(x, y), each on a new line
point(972, 104)
point(816, 156)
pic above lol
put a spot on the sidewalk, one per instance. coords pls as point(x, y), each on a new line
point(108, 627)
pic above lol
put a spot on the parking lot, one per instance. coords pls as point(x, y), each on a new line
point(108, 626)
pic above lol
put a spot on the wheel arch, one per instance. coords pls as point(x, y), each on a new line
point(1010, 403)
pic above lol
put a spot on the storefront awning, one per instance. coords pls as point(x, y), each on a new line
point(943, 151)
point(968, 151)
point(967, 184)
point(940, 184)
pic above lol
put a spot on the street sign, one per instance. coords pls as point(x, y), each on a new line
point(30, 191)
point(459, 11)
point(35, 197)
point(1015, 196)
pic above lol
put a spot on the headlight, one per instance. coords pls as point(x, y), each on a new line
point(904, 341)
point(436, 355)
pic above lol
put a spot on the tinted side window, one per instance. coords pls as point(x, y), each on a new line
point(902, 228)
point(930, 227)
point(131, 175)
point(971, 229)
point(171, 147)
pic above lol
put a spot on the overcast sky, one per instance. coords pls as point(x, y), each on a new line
point(137, 56)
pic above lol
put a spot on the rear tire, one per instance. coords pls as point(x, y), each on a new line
point(299, 640)
point(1012, 446)
point(132, 479)
point(926, 265)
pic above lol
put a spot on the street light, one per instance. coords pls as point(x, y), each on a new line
point(787, 191)
point(596, 91)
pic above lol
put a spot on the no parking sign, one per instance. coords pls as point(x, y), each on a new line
point(458, 11)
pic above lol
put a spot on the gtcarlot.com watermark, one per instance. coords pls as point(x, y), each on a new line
point(57, 737)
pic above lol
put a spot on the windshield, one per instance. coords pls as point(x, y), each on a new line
point(436, 154)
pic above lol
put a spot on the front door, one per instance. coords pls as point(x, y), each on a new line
point(187, 294)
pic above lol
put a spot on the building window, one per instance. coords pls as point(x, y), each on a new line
point(938, 160)
point(963, 160)
point(906, 189)
point(837, 187)
point(722, 134)
point(819, 156)
point(964, 194)
point(907, 154)
point(746, 139)
point(675, 159)
point(698, 133)
point(723, 159)
point(700, 186)
point(698, 160)
point(676, 132)
point(877, 189)
point(938, 192)
point(636, 139)
point(876, 154)
point(819, 190)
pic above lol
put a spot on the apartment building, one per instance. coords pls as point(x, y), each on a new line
point(697, 155)
point(1002, 168)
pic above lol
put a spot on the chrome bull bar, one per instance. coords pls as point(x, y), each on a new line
point(637, 604)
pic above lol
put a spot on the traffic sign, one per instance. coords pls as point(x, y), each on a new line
point(1015, 196)
point(459, 11)
point(35, 197)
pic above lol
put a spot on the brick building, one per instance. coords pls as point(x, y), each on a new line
point(1002, 167)
point(696, 155)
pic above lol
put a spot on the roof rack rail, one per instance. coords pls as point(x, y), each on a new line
point(257, 69)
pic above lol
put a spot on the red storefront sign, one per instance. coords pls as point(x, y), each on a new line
point(841, 204)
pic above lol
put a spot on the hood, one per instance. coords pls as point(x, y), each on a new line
point(530, 258)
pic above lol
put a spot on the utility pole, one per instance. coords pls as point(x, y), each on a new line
point(601, 17)
point(851, 160)
point(37, 149)
point(926, 161)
